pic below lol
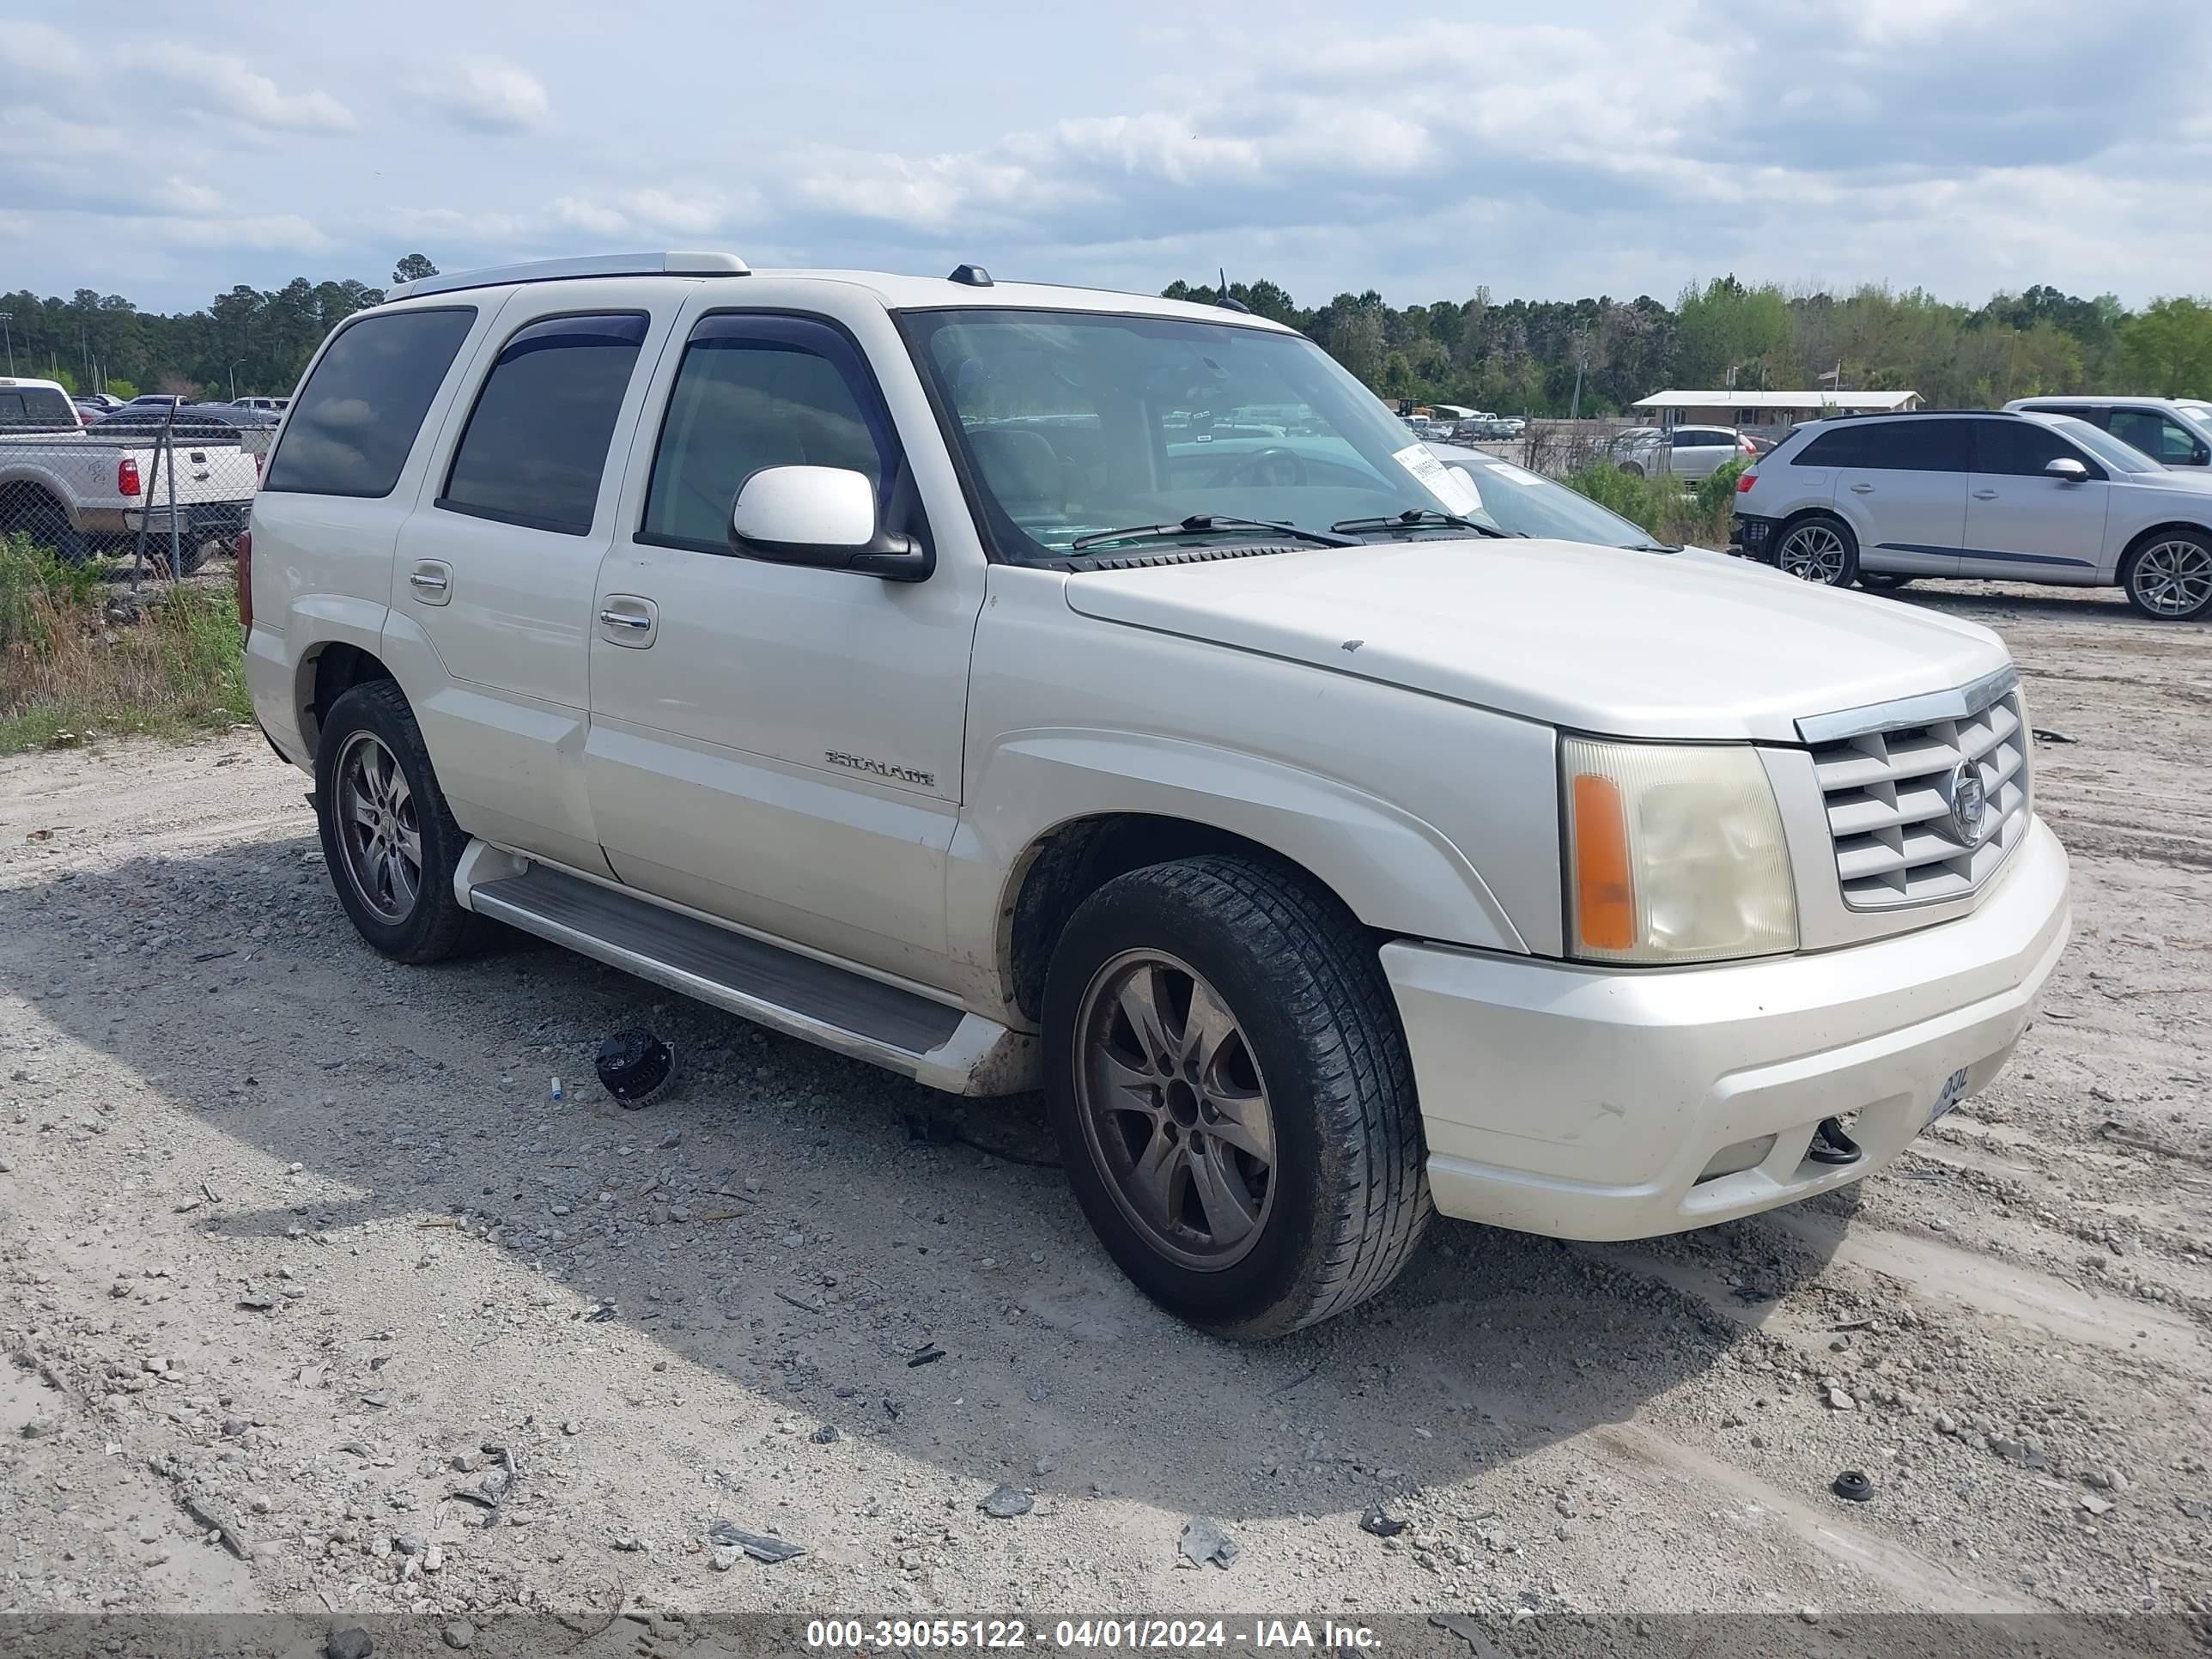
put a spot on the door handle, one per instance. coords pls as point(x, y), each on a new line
point(1986, 495)
point(625, 619)
point(1861, 489)
point(431, 580)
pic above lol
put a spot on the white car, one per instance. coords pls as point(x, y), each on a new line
point(2175, 432)
point(870, 656)
point(1882, 499)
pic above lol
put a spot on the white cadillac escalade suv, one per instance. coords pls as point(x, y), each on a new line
point(1015, 685)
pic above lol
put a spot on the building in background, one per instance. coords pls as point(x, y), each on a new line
point(1767, 409)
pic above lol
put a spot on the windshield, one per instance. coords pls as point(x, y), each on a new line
point(2122, 458)
point(1075, 424)
point(2197, 416)
point(1524, 503)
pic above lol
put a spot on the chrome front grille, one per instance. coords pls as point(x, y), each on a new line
point(1898, 796)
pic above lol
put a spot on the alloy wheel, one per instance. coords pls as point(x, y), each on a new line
point(1174, 1109)
point(2172, 578)
point(378, 835)
point(1813, 553)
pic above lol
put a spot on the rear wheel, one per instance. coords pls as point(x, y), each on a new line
point(29, 511)
point(1819, 549)
point(1231, 1088)
point(2170, 576)
point(388, 836)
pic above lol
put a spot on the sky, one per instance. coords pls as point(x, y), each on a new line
point(169, 153)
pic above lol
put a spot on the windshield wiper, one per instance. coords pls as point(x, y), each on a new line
point(1420, 518)
point(1199, 524)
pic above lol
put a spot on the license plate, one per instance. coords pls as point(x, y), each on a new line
point(1952, 1092)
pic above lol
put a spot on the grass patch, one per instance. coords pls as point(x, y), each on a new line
point(70, 673)
point(1701, 514)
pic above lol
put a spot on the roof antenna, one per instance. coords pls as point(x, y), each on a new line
point(1225, 300)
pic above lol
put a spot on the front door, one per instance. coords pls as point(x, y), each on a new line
point(2022, 524)
point(776, 745)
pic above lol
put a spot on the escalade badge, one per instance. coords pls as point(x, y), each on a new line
point(1969, 801)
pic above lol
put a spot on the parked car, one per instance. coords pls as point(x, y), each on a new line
point(1699, 452)
point(1884, 499)
point(79, 490)
point(2174, 432)
point(1524, 503)
point(205, 417)
point(266, 405)
point(1327, 855)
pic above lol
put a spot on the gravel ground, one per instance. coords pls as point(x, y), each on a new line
point(315, 1297)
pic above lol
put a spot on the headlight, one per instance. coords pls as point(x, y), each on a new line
point(1674, 854)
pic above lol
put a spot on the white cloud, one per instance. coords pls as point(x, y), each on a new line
point(487, 95)
point(167, 74)
point(223, 84)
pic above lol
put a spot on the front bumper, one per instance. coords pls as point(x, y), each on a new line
point(1587, 1103)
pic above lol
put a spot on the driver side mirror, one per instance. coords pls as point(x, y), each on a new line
point(823, 516)
point(2067, 469)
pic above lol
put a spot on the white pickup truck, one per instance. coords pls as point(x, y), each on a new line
point(907, 665)
point(82, 490)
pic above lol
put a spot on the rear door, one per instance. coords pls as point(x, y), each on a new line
point(2022, 523)
point(497, 566)
point(1901, 485)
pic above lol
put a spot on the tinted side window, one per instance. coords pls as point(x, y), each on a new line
point(754, 393)
point(2021, 449)
point(536, 444)
point(1890, 445)
point(360, 411)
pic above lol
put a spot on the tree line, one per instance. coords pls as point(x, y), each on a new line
point(1520, 356)
point(1526, 356)
point(256, 340)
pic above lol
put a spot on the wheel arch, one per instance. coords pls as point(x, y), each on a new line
point(2151, 533)
point(327, 672)
point(1065, 865)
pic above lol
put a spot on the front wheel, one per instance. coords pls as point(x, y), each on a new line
point(2170, 577)
point(1819, 549)
point(1229, 1082)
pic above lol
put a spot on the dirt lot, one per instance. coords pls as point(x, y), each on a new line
point(288, 1235)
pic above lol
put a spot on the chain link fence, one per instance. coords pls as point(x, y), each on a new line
point(151, 490)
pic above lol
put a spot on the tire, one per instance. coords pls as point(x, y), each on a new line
point(371, 727)
point(1633, 469)
point(27, 510)
point(1882, 581)
point(1333, 1214)
point(2168, 577)
point(1819, 548)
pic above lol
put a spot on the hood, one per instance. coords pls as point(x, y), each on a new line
point(1598, 638)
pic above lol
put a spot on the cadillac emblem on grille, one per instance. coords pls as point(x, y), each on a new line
point(1969, 801)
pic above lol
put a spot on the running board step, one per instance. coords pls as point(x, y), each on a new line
point(780, 988)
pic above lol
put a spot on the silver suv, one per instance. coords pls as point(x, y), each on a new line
point(1884, 499)
point(2172, 431)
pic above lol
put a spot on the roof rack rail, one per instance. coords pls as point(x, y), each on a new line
point(596, 264)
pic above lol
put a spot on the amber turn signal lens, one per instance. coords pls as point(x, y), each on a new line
point(1605, 896)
